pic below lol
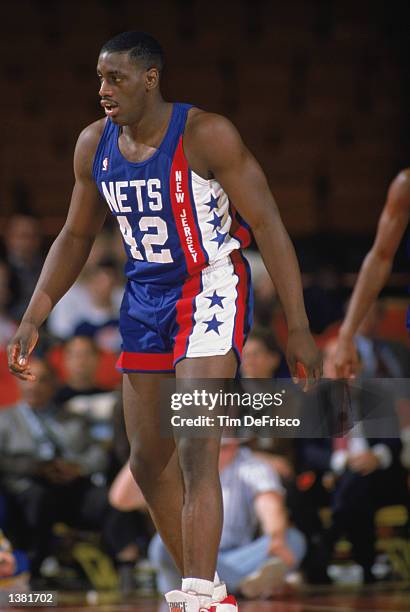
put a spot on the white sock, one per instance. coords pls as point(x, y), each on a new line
point(220, 592)
point(203, 589)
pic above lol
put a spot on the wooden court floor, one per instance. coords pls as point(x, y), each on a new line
point(325, 599)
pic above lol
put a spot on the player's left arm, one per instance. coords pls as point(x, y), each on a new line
point(214, 148)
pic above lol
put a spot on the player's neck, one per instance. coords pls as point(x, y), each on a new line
point(154, 120)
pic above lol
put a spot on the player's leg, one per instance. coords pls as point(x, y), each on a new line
point(202, 512)
point(212, 320)
point(153, 460)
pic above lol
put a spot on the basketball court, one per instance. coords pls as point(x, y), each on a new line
point(394, 597)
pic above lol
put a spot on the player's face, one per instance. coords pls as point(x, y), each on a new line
point(123, 87)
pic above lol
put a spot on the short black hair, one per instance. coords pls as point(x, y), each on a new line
point(139, 46)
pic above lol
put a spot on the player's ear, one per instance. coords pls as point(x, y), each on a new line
point(151, 78)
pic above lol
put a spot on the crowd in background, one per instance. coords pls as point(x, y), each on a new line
point(63, 441)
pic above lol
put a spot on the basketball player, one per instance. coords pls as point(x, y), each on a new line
point(375, 271)
point(178, 180)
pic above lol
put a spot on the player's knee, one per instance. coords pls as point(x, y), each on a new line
point(139, 466)
point(144, 467)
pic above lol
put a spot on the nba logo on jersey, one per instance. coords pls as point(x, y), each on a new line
point(105, 164)
point(177, 606)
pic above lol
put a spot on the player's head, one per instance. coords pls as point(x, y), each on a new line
point(129, 68)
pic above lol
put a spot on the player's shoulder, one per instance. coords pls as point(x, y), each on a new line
point(204, 124)
point(90, 136)
point(87, 144)
point(211, 137)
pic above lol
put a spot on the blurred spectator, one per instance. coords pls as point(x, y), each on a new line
point(8, 383)
point(253, 497)
point(266, 301)
point(80, 363)
point(48, 465)
point(324, 295)
point(361, 473)
point(23, 250)
point(7, 324)
point(380, 358)
point(14, 567)
point(125, 494)
point(81, 394)
point(91, 308)
point(108, 244)
point(262, 357)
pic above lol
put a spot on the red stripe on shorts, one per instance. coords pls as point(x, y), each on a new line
point(241, 298)
point(145, 361)
point(185, 308)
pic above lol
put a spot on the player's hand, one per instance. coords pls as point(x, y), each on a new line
point(20, 349)
point(346, 358)
point(302, 350)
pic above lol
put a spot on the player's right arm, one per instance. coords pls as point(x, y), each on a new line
point(67, 255)
point(375, 270)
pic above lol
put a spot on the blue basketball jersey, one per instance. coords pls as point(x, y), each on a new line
point(173, 222)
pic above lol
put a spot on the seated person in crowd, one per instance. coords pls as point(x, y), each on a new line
point(48, 464)
point(379, 357)
point(8, 327)
point(14, 566)
point(81, 393)
point(91, 308)
point(23, 240)
point(262, 358)
point(80, 361)
point(253, 498)
point(362, 473)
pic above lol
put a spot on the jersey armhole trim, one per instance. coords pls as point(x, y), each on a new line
point(99, 148)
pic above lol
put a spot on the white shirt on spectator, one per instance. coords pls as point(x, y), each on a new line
point(242, 480)
point(76, 307)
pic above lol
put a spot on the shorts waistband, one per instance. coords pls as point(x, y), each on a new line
point(159, 288)
point(219, 263)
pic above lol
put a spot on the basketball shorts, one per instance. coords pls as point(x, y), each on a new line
point(207, 315)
